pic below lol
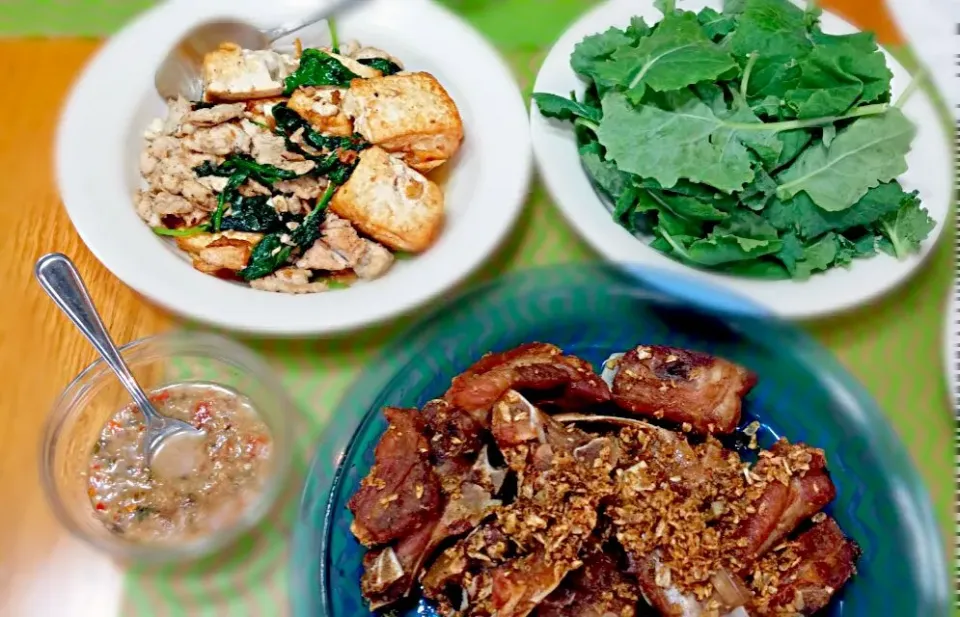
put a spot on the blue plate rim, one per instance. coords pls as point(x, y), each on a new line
point(640, 283)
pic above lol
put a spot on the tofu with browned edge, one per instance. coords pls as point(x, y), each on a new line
point(234, 74)
point(390, 202)
point(407, 114)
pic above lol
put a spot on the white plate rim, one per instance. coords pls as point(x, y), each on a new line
point(87, 176)
point(826, 294)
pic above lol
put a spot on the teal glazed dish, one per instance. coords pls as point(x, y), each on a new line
point(592, 311)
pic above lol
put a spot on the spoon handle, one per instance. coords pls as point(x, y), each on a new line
point(327, 10)
point(60, 279)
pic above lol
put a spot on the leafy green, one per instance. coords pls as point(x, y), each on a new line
point(251, 214)
point(746, 140)
point(805, 218)
point(182, 232)
point(904, 229)
point(869, 151)
point(318, 68)
point(676, 55)
point(243, 164)
point(325, 150)
point(384, 65)
point(272, 252)
point(554, 106)
point(716, 25)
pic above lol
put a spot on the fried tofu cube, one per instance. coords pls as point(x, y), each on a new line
point(322, 108)
point(407, 114)
point(390, 202)
point(234, 74)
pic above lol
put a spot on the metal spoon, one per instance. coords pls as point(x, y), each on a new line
point(60, 279)
point(181, 71)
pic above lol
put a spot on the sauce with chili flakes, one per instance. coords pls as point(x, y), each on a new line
point(233, 464)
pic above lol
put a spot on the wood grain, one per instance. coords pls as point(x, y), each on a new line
point(40, 352)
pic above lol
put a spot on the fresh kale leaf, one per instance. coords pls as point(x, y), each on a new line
point(746, 224)
point(676, 55)
point(837, 74)
point(638, 29)
point(318, 68)
point(555, 106)
point(804, 260)
point(717, 249)
point(758, 193)
point(794, 142)
point(765, 268)
point(869, 151)
point(716, 25)
point(604, 174)
point(686, 141)
point(905, 229)
point(771, 28)
point(384, 65)
point(595, 50)
point(801, 215)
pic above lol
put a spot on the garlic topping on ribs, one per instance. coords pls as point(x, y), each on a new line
point(604, 513)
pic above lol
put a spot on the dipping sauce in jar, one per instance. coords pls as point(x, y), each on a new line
point(227, 475)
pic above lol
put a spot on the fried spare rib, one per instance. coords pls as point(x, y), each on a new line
point(682, 386)
point(792, 484)
point(402, 492)
point(532, 367)
point(598, 589)
point(509, 564)
point(390, 572)
point(803, 577)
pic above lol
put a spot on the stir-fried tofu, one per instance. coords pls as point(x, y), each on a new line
point(322, 108)
point(390, 202)
point(220, 253)
point(408, 114)
point(234, 74)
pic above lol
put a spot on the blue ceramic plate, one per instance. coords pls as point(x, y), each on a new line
point(593, 311)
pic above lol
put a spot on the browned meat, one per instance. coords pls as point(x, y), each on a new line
point(796, 486)
point(803, 577)
point(401, 492)
point(389, 573)
point(598, 589)
point(683, 387)
point(454, 433)
point(510, 563)
point(530, 367)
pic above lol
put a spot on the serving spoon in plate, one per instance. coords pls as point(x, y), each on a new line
point(180, 73)
point(171, 447)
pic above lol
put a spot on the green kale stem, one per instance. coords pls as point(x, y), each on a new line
point(183, 232)
point(334, 39)
point(790, 125)
point(747, 70)
point(587, 124)
point(915, 83)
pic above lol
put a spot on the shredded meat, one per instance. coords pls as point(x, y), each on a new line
point(683, 387)
point(340, 247)
point(289, 280)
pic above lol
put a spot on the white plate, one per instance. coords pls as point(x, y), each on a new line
point(100, 138)
point(837, 290)
point(951, 339)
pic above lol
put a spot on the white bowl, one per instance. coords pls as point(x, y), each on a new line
point(839, 289)
point(100, 139)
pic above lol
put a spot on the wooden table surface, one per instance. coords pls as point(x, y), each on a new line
point(40, 352)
